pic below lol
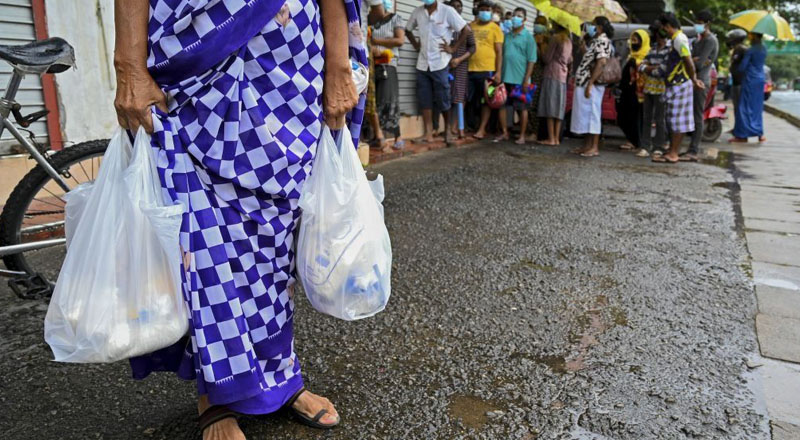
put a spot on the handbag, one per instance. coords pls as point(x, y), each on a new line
point(612, 72)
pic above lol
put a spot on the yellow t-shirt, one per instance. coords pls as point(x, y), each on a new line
point(486, 35)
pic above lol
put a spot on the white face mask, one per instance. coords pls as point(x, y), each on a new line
point(496, 17)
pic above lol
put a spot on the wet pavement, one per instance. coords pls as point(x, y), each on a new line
point(536, 294)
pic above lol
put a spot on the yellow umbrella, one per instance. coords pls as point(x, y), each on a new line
point(587, 10)
point(763, 22)
point(564, 18)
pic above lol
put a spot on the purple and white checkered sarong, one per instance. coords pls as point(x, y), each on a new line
point(244, 80)
point(679, 107)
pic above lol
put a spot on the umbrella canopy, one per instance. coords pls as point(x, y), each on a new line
point(587, 10)
point(763, 22)
point(569, 21)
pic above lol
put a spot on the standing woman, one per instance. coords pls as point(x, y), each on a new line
point(629, 105)
point(388, 34)
point(239, 97)
point(458, 68)
point(587, 101)
point(553, 98)
point(540, 35)
point(750, 108)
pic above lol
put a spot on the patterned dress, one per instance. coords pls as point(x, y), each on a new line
point(244, 80)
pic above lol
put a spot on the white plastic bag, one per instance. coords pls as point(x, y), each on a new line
point(119, 291)
point(344, 256)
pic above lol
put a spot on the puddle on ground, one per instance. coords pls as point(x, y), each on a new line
point(724, 159)
point(528, 264)
point(470, 409)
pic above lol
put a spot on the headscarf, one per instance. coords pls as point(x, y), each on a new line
point(639, 55)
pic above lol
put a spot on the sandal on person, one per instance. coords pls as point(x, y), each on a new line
point(762, 139)
point(687, 157)
point(627, 146)
point(304, 419)
point(213, 415)
point(378, 144)
point(663, 159)
point(399, 145)
point(735, 140)
point(592, 154)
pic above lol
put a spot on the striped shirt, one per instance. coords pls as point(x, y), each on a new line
point(384, 29)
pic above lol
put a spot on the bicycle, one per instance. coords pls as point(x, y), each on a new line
point(32, 227)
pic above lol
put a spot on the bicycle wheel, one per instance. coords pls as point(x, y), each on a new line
point(35, 209)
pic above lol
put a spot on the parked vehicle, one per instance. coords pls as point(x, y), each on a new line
point(714, 114)
point(768, 84)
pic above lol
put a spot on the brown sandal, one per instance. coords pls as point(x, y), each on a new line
point(213, 415)
point(304, 419)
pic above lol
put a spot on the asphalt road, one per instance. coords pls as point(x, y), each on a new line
point(787, 101)
point(536, 294)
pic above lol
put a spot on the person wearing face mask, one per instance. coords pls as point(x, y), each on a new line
point(587, 100)
point(458, 68)
point(653, 71)
point(750, 110)
point(704, 55)
point(506, 25)
point(540, 36)
point(519, 56)
point(552, 102)
point(681, 79)
point(436, 24)
point(629, 108)
point(387, 35)
point(487, 63)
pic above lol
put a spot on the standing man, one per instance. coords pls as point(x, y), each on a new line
point(487, 63)
point(519, 57)
point(704, 54)
point(436, 24)
point(681, 80)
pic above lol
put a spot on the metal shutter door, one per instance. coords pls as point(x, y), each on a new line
point(16, 27)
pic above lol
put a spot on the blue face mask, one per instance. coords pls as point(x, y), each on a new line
point(428, 2)
point(591, 30)
point(387, 5)
point(699, 28)
point(539, 29)
point(507, 23)
point(516, 21)
point(485, 16)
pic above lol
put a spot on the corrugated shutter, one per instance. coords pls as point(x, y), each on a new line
point(408, 56)
point(16, 27)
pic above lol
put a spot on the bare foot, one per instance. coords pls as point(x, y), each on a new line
point(310, 404)
point(225, 429)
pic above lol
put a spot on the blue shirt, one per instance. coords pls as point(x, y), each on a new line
point(519, 49)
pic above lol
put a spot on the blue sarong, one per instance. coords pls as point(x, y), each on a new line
point(244, 80)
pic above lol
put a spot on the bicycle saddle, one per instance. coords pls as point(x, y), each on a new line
point(52, 55)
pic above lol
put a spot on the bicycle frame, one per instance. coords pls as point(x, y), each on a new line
point(6, 104)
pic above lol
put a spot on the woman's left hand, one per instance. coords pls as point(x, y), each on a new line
point(338, 94)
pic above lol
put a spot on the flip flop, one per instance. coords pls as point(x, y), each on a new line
point(399, 145)
point(596, 153)
point(480, 138)
point(213, 415)
point(735, 140)
point(663, 159)
point(762, 139)
point(304, 419)
point(520, 142)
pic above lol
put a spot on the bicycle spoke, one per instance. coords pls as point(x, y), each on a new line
point(53, 194)
point(84, 170)
point(47, 203)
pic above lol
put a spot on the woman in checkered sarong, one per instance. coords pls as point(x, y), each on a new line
point(238, 99)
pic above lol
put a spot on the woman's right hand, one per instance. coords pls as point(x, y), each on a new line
point(136, 92)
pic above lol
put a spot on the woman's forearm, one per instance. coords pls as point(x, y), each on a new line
point(335, 32)
point(130, 24)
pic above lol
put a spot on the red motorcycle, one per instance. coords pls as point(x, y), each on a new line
point(714, 114)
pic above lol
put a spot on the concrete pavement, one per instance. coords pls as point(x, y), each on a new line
point(769, 180)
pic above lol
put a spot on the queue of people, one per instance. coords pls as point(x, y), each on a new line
point(484, 75)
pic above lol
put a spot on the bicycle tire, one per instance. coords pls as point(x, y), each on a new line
point(14, 210)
